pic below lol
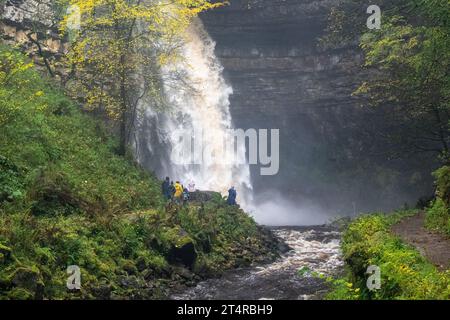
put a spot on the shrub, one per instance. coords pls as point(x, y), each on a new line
point(438, 214)
point(442, 176)
point(11, 181)
point(405, 274)
point(438, 217)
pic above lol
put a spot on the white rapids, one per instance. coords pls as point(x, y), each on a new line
point(315, 249)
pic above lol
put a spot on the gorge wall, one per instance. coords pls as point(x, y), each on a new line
point(32, 26)
point(282, 78)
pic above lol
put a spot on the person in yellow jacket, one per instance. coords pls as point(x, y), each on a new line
point(178, 191)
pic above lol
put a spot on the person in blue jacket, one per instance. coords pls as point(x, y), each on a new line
point(232, 194)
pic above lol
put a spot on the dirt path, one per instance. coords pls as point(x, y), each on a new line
point(435, 247)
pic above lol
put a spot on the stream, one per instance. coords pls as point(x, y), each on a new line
point(314, 249)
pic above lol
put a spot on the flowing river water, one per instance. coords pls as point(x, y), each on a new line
point(313, 249)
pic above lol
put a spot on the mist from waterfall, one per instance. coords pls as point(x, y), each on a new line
point(198, 99)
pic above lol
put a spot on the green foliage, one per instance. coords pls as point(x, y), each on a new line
point(19, 87)
point(413, 61)
point(438, 214)
point(224, 236)
point(409, 58)
point(436, 11)
point(11, 184)
point(111, 251)
point(347, 21)
point(118, 41)
point(63, 154)
point(438, 217)
point(405, 274)
point(442, 176)
point(304, 271)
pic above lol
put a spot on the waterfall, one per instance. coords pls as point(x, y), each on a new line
point(198, 101)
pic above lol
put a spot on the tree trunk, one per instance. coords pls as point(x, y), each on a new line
point(41, 54)
point(442, 131)
point(125, 109)
point(123, 135)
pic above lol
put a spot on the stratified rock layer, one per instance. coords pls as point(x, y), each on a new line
point(283, 79)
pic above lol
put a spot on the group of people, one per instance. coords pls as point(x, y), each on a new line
point(178, 193)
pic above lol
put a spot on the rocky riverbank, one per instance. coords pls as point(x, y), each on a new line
point(312, 250)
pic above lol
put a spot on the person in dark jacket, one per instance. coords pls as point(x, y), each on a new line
point(172, 190)
point(232, 194)
point(166, 188)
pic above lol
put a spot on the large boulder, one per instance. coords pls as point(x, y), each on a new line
point(5, 253)
point(184, 255)
point(182, 250)
point(29, 279)
point(203, 196)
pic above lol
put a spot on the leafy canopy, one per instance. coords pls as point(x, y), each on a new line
point(121, 44)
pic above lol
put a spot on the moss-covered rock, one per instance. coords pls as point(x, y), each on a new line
point(28, 278)
point(20, 294)
point(184, 254)
point(129, 267)
point(102, 292)
point(180, 246)
point(5, 254)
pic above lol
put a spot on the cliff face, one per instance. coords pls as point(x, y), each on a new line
point(283, 79)
point(270, 53)
point(33, 26)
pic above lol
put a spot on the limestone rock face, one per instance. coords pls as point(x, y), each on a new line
point(29, 11)
point(282, 79)
point(33, 25)
point(270, 53)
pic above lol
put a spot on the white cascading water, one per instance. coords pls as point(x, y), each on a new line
point(201, 105)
